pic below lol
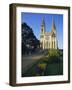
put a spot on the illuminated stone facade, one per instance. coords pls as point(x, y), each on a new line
point(48, 40)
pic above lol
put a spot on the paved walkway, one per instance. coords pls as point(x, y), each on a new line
point(29, 60)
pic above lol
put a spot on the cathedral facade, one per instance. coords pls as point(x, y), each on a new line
point(48, 40)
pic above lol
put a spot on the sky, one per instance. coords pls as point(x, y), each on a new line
point(34, 20)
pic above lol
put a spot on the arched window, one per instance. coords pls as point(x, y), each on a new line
point(52, 44)
point(41, 44)
point(42, 30)
point(47, 45)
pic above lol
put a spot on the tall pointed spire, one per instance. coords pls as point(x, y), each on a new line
point(43, 26)
point(53, 24)
point(43, 21)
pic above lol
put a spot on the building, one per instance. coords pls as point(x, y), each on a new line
point(48, 40)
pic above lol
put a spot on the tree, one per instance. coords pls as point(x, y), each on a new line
point(29, 41)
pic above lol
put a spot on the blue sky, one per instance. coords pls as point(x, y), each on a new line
point(34, 20)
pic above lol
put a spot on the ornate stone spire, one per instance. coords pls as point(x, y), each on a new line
point(43, 22)
point(53, 25)
point(43, 26)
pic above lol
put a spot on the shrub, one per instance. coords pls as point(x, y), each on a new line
point(54, 52)
point(42, 66)
point(54, 56)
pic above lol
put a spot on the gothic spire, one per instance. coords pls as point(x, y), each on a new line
point(53, 25)
point(43, 21)
point(43, 25)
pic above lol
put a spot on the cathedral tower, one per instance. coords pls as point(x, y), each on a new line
point(53, 35)
point(43, 27)
point(42, 34)
point(48, 40)
point(53, 26)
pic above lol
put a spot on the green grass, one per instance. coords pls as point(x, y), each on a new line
point(47, 66)
point(54, 69)
point(50, 69)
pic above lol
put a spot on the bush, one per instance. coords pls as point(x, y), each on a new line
point(54, 52)
point(54, 56)
point(42, 66)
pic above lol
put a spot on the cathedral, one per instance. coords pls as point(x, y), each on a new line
point(48, 40)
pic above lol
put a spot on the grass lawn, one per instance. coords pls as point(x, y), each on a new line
point(49, 69)
point(54, 69)
point(47, 66)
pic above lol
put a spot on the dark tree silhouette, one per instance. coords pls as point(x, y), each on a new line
point(29, 41)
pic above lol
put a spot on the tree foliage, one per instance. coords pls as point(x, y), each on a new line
point(29, 40)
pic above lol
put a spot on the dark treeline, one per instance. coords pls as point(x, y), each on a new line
point(29, 41)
